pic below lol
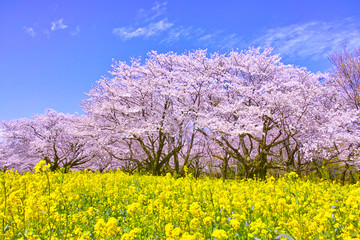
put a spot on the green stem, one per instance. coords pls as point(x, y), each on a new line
point(5, 204)
point(48, 204)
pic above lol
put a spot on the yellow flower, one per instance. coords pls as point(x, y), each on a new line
point(292, 176)
point(168, 229)
point(168, 207)
point(41, 166)
point(133, 208)
point(100, 226)
point(235, 224)
point(131, 235)
point(91, 211)
point(111, 226)
point(219, 234)
point(194, 223)
point(208, 220)
point(195, 209)
point(176, 232)
point(188, 236)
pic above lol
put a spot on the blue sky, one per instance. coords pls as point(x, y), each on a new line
point(52, 51)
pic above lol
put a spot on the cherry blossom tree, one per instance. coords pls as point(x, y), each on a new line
point(335, 133)
point(346, 70)
point(53, 137)
point(151, 108)
point(346, 75)
point(262, 112)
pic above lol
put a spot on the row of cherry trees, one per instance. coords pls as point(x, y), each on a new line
point(242, 111)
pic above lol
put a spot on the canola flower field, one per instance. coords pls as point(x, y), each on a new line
point(115, 205)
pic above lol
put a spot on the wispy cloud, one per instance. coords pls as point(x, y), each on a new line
point(147, 31)
point(231, 41)
point(211, 38)
point(30, 31)
point(313, 39)
point(222, 40)
point(152, 23)
point(39, 31)
point(56, 25)
point(158, 10)
point(182, 33)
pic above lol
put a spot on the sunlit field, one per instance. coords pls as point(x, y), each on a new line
point(115, 205)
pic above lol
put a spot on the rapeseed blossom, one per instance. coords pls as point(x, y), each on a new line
point(219, 234)
point(115, 205)
point(41, 166)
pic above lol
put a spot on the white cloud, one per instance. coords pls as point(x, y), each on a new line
point(150, 30)
point(172, 32)
point(231, 41)
point(56, 25)
point(158, 10)
point(207, 37)
point(30, 31)
point(313, 39)
point(182, 33)
point(221, 40)
point(149, 24)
